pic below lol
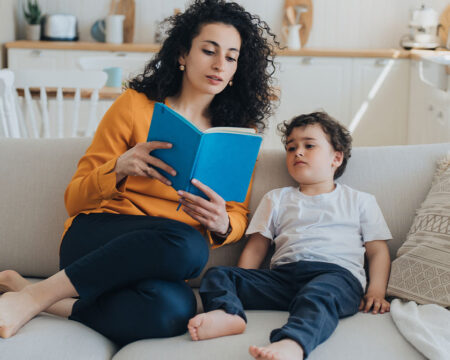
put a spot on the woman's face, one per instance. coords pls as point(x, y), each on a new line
point(212, 59)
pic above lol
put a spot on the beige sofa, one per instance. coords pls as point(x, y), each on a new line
point(34, 174)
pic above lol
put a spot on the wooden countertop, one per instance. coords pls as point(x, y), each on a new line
point(97, 46)
point(81, 45)
point(420, 54)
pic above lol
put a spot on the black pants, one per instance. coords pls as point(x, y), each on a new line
point(316, 294)
point(129, 272)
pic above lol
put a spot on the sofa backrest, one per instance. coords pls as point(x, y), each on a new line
point(399, 177)
point(35, 174)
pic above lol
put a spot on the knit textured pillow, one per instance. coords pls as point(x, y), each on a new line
point(421, 271)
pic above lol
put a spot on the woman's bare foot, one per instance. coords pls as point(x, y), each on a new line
point(16, 309)
point(11, 280)
point(215, 324)
point(285, 349)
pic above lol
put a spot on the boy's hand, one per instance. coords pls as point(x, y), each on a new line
point(376, 302)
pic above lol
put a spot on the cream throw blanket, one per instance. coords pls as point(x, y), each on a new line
point(426, 327)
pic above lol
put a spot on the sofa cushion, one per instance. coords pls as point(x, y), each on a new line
point(35, 174)
point(363, 336)
point(421, 272)
point(51, 338)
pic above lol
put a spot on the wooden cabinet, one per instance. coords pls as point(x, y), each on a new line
point(379, 101)
point(429, 111)
point(309, 84)
point(36, 59)
point(131, 62)
point(367, 95)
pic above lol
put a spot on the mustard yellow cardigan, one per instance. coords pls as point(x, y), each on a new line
point(93, 187)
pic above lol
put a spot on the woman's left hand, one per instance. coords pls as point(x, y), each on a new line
point(210, 213)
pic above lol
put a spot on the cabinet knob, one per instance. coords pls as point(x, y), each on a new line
point(381, 62)
point(35, 53)
point(307, 61)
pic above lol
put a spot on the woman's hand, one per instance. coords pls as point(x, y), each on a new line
point(211, 213)
point(138, 162)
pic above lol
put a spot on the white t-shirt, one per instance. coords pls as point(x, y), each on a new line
point(330, 227)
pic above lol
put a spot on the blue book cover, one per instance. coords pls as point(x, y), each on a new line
point(222, 158)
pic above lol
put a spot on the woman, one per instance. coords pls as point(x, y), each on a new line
point(126, 251)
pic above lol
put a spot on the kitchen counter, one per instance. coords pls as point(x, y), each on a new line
point(420, 54)
point(80, 45)
point(96, 46)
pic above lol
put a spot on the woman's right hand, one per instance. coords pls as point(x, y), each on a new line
point(138, 162)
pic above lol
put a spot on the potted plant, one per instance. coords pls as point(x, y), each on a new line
point(32, 13)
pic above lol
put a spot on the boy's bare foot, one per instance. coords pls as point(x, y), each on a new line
point(215, 324)
point(16, 309)
point(285, 349)
point(11, 280)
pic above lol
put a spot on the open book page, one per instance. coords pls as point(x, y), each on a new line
point(223, 158)
point(229, 129)
point(225, 163)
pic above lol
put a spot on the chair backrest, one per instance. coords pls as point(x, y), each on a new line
point(130, 65)
point(61, 81)
point(10, 126)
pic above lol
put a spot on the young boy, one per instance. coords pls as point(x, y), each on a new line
point(321, 230)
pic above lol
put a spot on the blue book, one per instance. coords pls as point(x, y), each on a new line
point(222, 158)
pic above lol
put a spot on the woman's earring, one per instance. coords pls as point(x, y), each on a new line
point(182, 68)
point(230, 83)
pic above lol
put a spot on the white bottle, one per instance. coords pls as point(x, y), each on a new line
point(114, 29)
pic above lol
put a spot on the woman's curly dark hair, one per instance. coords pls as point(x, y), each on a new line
point(339, 137)
point(245, 104)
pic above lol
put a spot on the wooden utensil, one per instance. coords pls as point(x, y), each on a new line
point(444, 20)
point(290, 15)
point(127, 8)
point(306, 18)
point(112, 7)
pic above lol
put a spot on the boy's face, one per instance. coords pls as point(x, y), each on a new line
point(310, 158)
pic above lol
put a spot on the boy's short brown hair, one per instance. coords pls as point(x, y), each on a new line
point(339, 137)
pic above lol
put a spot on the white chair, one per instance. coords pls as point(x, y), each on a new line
point(73, 81)
point(130, 65)
point(10, 126)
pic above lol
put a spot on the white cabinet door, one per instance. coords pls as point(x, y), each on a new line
point(429, 111)
point(35, 59)
point(380, 96)
point(309, 84)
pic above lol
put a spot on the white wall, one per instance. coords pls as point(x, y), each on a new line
point(7, 25)
point(336, 24)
